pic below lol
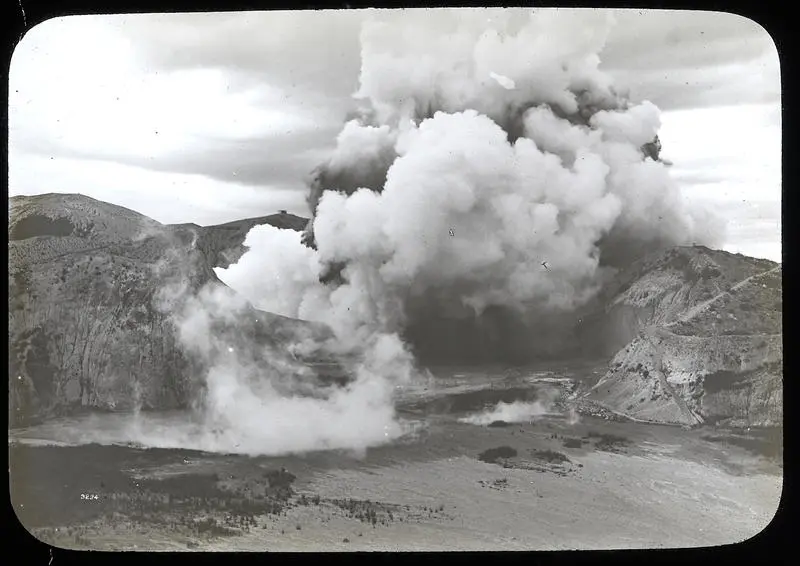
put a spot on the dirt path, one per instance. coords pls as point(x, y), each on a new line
point(697, 309)
point(652, 332)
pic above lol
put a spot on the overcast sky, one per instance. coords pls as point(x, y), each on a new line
point(212, 117)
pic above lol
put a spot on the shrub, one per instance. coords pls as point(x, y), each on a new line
point(492, 455)
point(551, 456)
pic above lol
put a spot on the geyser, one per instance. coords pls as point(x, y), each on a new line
point(462, 213)
point(450, 190)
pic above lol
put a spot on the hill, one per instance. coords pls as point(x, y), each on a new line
point(697, 338)
point(223, 244)
point(693, 334)
point(87, 328)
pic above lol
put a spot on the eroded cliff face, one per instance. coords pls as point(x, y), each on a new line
point(88, 325)
point(664, 377)
point(705, 341)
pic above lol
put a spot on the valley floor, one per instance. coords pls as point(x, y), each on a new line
point(586, 485)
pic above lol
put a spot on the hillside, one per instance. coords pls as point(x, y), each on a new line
point(693, 335)
point(223, 244)
point(698, 339)
point(86, 326)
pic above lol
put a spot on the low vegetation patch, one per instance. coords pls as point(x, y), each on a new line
point(494, 455)
point(550, 456)
point(500, 483)
point(607, 442)
point(211, 527)
point(97, 483)
point(768, 444)
point(366, 511)
point(40, 225)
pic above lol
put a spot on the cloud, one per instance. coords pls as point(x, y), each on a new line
point(672, 39)
point(740, 146)
point(166, 197)
point(255, 98)
point(754, 226)
point(256, 161)
point(650, 50)
point(729, 159)
point(693, 59)
point(250, 40)
point(729, 84)
point(110, 104)
point(311, 55)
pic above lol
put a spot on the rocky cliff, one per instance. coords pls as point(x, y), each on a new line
point(698, 339)
point(88, 326)
point(694, 335)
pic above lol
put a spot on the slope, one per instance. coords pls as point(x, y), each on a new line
point(703, 340)
point(87, 324)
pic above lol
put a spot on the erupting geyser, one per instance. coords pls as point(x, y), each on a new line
point(485, 146)
point(451, 187)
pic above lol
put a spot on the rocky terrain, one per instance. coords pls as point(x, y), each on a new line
point(545, 485)
point(89, 325)
point(693, 335)
point(698, 339)
point(223, 244)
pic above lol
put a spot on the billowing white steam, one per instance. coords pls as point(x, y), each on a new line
point(515, 412)
point(519, 411)
point(484, 184)
point(463, 208)
point(445, 61)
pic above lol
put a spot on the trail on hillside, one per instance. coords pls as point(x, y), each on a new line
point(651, 333)
point(697, 309)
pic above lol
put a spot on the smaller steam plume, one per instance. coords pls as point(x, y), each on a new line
point(517, 411)
point(260, 398)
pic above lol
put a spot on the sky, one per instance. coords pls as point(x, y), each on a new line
point(211, 117)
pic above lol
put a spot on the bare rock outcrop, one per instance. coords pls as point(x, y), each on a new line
point(88, 326)
point(704, 340)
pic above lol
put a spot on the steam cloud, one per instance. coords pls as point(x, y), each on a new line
point(246, 410)
point(519, 411)
point(516, 412)
point(480, 151)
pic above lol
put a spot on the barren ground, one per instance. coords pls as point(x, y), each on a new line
point(557, 485)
